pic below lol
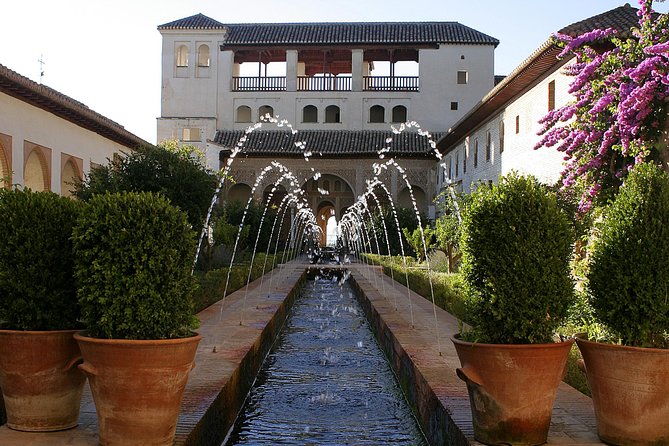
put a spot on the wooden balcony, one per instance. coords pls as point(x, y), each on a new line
point(321, 83)
point(390, 83)
point(263, 83)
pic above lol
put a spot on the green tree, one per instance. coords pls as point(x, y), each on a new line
point(415, 240)
point(448, 226)
point(177, 172)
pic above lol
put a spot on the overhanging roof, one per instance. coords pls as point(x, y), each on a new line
point(50, 100)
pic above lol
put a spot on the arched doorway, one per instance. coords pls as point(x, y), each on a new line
point(327, 221)
point(277, 196)
point(239, 192)
point(330, 189)
point(404, 198)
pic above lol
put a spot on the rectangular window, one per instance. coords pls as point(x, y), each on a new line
point(517, 124)
point(501, 136)
point(450, 173)
point(488, 145)
point(454, 105)
point(465, 157)
point(457, 164)
point(191, 134)
point(463, 77)
point(476, 153)
point(551, 95)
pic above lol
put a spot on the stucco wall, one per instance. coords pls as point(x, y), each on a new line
point(519, 154)
point(58, 140)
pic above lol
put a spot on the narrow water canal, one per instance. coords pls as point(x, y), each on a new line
point(327, 381)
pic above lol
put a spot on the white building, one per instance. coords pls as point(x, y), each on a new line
point(340, 84)
point(49, 140)
point(498, 135)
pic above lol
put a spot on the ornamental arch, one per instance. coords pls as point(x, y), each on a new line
point(5, 164)
point(36, 170)
point(404, 198)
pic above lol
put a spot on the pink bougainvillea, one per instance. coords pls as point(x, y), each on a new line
point(621, 93)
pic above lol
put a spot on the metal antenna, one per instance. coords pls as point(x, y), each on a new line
point(41, 67)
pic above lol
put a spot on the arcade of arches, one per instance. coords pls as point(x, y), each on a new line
point(340, 183)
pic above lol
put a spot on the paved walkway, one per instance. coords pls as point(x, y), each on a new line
point(230, 352)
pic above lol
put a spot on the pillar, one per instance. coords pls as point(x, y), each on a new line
point(291, 70)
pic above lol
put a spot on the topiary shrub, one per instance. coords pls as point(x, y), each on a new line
point(37, 290)
point(516, 245)
point(629, 269)
point(133, 255)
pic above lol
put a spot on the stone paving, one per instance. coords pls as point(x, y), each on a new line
point(238, 333)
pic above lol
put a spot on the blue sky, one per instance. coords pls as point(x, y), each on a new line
point(106, 53)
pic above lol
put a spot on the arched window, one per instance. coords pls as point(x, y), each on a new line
point(265, 111)
point(310, 114)
point(332, 114)
point(203, 55)
point(399, 113)
point(68, 178)
point(243, 114)
point(182, 56)
point(5, 170)
point(36, 172)
point(377, 114)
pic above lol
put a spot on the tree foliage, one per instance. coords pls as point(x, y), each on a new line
point(619, 111)
point(178, 172)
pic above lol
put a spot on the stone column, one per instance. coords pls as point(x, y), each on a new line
point(291, 70)
point(357, 62)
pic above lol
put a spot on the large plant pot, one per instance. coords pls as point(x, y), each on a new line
point(511, 388)
point(630, 392)
point(40, 382)
point(137, 386)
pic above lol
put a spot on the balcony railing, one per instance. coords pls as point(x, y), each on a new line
point(269, 83)
point(390, 83)
point(320, 83)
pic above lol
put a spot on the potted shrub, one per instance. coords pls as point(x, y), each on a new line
point(628, 284)
point(39, 312)
point(516, 245)
point(133, 257)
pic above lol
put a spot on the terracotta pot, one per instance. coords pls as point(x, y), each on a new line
point(630, 392)
point(137, 386)
point(511, 388)
point(40, 382)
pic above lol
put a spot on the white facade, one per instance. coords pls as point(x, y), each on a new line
point(198, 99)
point(43, 151)
point(519, 119)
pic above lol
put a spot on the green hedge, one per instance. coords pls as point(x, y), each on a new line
point(629, 269)
point(212, 283)
point(37, 289)
point(134, 253)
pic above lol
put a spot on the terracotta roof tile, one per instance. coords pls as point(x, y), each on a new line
point(328, 143)
point(336, 33)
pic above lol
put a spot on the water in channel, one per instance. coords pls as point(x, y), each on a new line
point(326, 382)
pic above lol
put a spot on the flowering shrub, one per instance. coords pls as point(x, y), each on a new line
point(621, 90)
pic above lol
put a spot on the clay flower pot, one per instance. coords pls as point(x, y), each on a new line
point(511, 388)
point(40, 382)
point(630, 392)
point(137, 386)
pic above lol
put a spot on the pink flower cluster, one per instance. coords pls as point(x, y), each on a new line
point(620, 105)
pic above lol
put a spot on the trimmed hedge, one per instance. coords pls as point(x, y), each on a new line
point(133, 256)
point(37, 289)
point(629, 270)
point(516, 246)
